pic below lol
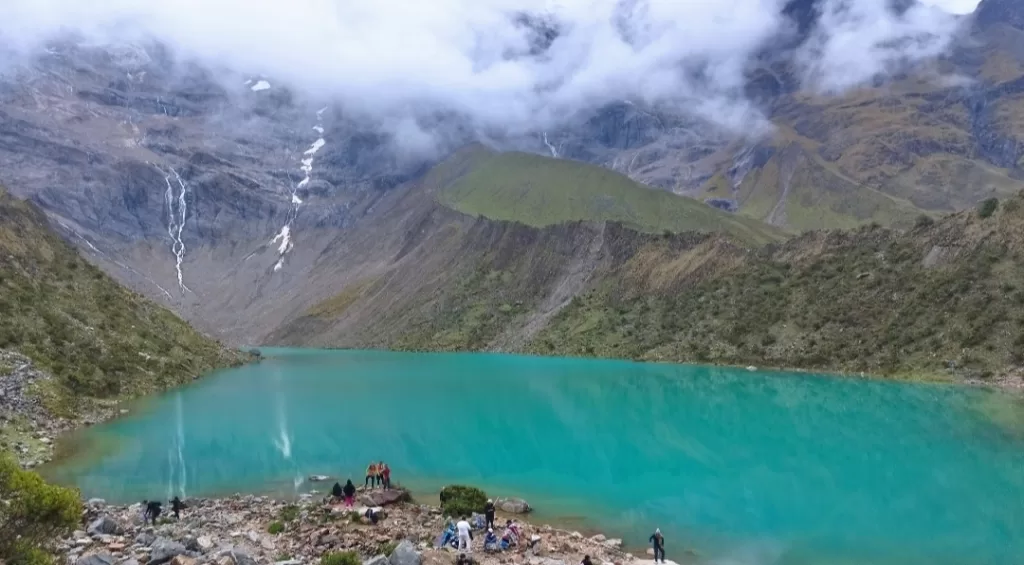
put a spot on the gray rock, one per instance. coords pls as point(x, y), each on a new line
point(405, 554)
point(96, 559)
point(129, 562)
point(513, 505)
point(163, 550)
point(190, 543)
point(379, 560)
point(145, 538)
point(96, 503)
point(241, 558)
point(205, 543)
point(104, 525)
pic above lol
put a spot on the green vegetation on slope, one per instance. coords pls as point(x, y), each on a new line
point(32, 514)
point(945, 297)
point(540, 191)
point(97, 338)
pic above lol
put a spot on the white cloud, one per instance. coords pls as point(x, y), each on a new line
point(400, 57)
point(955, 6)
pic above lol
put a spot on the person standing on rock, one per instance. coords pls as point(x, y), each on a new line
point(177, 506)
point(153, 510)
point(489, 513)
point(350, 493)
point(659, 545)
point(385, 475)
point(465, 535)
point(371, 476)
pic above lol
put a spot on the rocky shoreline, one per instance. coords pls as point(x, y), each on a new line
point(238, 530)
point(28, 429)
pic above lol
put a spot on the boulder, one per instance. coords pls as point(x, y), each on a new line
point(145, 538)
point(205, 543)
point(190, 543)
point(104, 525)
point(379, 560)
point(163, 550)
point(382, 497)
point(513, 505)
point(405, 554)
point(242, 558)
point(129, 562)
point(96, 503)
point(96, 559)
point(183, 560)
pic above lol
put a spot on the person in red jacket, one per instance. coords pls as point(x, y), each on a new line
point(385, 475)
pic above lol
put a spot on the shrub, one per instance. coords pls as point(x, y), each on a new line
point(387, 548)
point(458, 500)
point(39, 512)
point(289, 513)
point(275, 528)
point(923, 221)
point(988, 207)
point(341, 558)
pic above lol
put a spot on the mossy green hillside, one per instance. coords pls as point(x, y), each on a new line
point(96, 337)
point(540, 191)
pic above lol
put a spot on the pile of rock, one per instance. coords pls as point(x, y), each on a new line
point(235, 531)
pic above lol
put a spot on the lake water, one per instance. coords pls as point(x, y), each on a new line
point(744, 467)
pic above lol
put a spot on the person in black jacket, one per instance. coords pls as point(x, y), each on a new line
point(350, 493)
point(177, 506)
point(489, 513)
point(659, 545)
point(336, 491)
point(153, 510)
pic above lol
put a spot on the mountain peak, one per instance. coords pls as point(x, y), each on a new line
point(991, 12)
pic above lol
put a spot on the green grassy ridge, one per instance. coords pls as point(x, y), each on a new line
point(99, 339)
point(859, 301)
point(540, 191)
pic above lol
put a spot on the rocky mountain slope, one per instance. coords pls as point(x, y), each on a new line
point(266, 216)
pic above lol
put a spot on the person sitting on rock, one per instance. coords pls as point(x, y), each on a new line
point(336, 492)
point(586, 560)
point(511, 534)
point(490, 541)
point(463, 559)
point(489, 513)
point(177, 506)
point(350, 493)
point(153, 510)
point(371, 476)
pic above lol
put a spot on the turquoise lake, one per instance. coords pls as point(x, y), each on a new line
point(743, 467)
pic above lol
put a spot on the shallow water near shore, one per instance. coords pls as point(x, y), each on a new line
point(743, 467)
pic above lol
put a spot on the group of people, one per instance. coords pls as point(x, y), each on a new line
point(151, 509)
point(378, 474)
point(348, 492)
point(460, 534)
